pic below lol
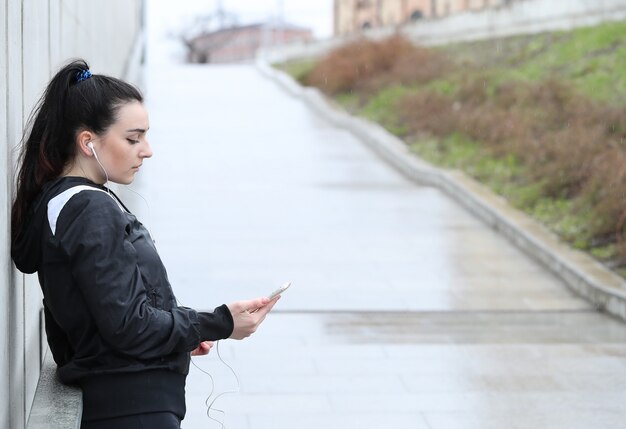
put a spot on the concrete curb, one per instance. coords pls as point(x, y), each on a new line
point(580, 272)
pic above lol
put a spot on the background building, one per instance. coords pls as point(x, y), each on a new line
point(351, 16)
point(240, 43)
point(447, 7)
point(37, 38)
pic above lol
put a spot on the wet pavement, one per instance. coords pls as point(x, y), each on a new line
point(405, 310)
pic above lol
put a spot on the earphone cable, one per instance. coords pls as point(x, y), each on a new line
point(102, 167)
point(208, 402)
point(149, 213)
point(210, 405)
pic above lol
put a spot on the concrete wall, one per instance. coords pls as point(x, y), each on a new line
point(36, 38)
point(517, 17)
point(446, 7)
point(399, 12)
point(507, 19)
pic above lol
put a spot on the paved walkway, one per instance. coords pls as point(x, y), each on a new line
point(405, 311)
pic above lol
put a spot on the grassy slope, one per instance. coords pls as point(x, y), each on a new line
point(592, 60)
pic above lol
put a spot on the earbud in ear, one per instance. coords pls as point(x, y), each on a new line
point(95, 155)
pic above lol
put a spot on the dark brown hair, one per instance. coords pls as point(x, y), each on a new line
point(73, 100)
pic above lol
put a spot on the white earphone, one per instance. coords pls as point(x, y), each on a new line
point(93, 150)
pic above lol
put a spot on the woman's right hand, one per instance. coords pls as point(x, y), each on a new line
point(248, 315)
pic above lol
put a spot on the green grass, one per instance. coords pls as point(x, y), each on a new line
point(559, 215)
point(349, 101)
point(604, 253)
point(381, 108)
point(457, 151)
point(447, 86)
point(593, 59)
point(297, 69)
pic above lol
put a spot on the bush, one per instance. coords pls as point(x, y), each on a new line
point(368, 65)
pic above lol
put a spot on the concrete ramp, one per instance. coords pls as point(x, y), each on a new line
point(405, 310)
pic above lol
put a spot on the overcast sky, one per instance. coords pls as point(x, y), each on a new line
point(165, 16)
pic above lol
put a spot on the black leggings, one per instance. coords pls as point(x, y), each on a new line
point(139, 421)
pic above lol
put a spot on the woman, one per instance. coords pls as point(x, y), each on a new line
point(112, 321)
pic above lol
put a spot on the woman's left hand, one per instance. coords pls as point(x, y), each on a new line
point(202, 349)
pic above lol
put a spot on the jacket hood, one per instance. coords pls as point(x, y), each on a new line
point(26, 250)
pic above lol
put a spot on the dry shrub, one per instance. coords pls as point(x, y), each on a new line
point(567, 134)
point(496, 128)
point(429, 113)
point(441, 116)
point(550, 95)
point(605, 193)
point(343, 68)
point(509, 94)
point(574, 147)
point(564, 160)
point(368, 65)
point(473, 91)
point(412, 64)
point(613, 118)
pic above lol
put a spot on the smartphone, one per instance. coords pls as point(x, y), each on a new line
point(275, 294)
point(279, 290)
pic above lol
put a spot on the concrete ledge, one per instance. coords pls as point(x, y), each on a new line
point(580, 272)
point(56, 406)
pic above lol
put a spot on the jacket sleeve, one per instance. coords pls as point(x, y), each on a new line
point(104, 267)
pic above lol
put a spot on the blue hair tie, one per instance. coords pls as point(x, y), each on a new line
point(83, 75)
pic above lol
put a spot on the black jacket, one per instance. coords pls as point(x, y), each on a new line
point(112, 321)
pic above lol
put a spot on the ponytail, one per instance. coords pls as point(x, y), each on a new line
point(73, 100)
